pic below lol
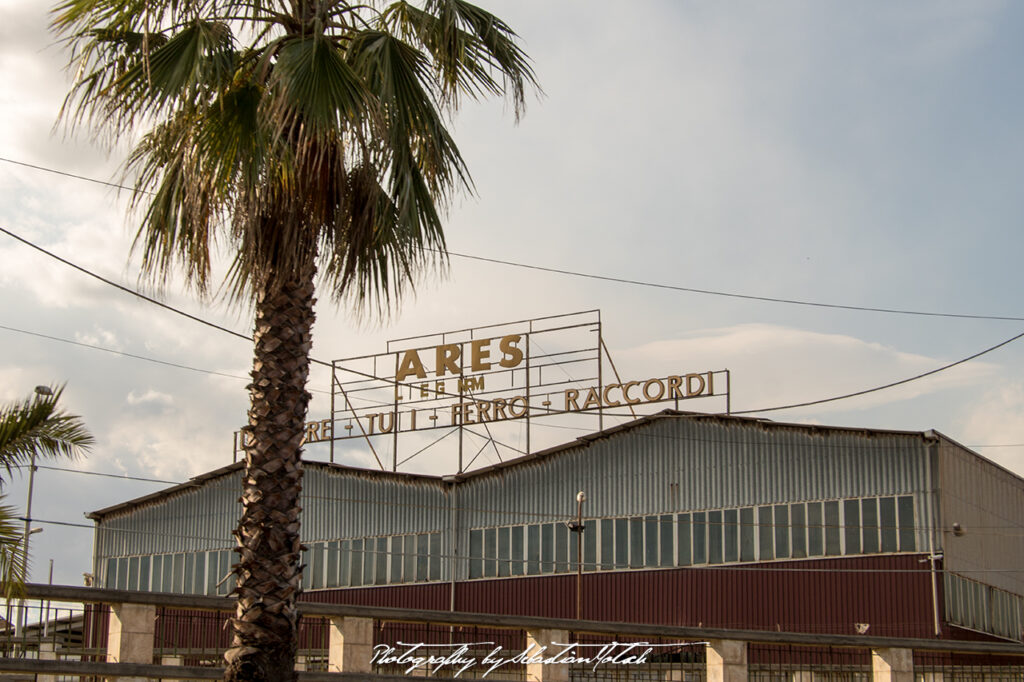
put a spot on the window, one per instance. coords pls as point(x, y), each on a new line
point(747, 534)
point(621, 543)
point(157, 573)
point(730, 537)
point(133, 573)
point(832, 547)
point(332, 564)
point(409, 558)
point(516, 567)
point(121, 580)
point(799, 530)
point(683, 534)
point(607, 544)
point(905, 506)
point(476, 553)
point(815, 539)
point(590, 542)
point(869, 525)
point(561, 548)
point(144, 573)
point(851, 524)
point(178, 575)
point(397, 557)
point(764, 532)
point(356, 564)
point(186, 586)
point(665, 532)
point(503, 558)
point(651, 541)
point(345, 563)
point(887, 518)
point(200, 576)
point(423, 555)
point(715, 537)
point(781, 531)
point(700, 555)
point(547, 548)
point(212, 572)
point(435, 557)
point(490, 552)
point(533, 550)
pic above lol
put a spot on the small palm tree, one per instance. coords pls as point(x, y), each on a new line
point(31, 429)
point(310, 137)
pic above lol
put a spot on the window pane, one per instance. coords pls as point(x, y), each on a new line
point(533, 550)
point(133, 573)
point(516, 553)
point(356, 563)
point(122, 574)
point(905, 506)
point(799, 528)
point(423, 555)
point(369, 561)
point(345, 563)
point(851, 524)
point(200, 579)
point(168, 577)
point(409, 558)
point(144, 573)
point(561, 548)
point(607, 544)
point(700, 555)
point(666, 532)
point(306, 570)
point(621, 543)
point(178, 578)
point(747, 534)
point(490, 552)
point(651, 541)
point(636, 542)
point(590, 541)
point(764, 532)
point(547, 548)
point(435, 557)
point(158, 561)
point(683, 541)
point(186, 586)
point(503, 542)
point(887, 518)
point(381, 561)
point(832, 546)
point(715, 537)
point(397, 555)
point(476, 553)
point(815, 536)
point(730, 534)
point(332, 564)
point(213, 572)
point(869, 522)
point(110, 576)
point(781, 531)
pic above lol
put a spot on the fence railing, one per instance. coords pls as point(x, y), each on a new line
point(80, 633)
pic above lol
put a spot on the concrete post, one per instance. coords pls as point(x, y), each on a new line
point(47, 652)
point(130, 635)
point(892, 665)
point(537, 639)
point(351, 645)
point(726, 660)
point(170, 659)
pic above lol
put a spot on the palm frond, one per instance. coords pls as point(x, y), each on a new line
point(36, 426)
point(13, 561)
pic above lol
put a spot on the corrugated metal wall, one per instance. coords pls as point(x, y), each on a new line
point(669, 464)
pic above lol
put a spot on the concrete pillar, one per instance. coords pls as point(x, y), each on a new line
point(47, 652)
point(892, 665)
point(537, 639)
point(170, 659)
point(726, 660)
point(351, 645)
point(130, 635)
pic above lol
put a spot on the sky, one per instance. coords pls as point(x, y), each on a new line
point(856, 154)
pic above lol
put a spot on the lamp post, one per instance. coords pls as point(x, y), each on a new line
point(41, 392)
point(577, 527)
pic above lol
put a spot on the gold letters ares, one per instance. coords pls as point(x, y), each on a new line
point(447, 358)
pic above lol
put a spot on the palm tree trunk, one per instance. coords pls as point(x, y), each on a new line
point(268, 571)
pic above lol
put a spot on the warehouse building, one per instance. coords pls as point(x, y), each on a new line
point(689, 519)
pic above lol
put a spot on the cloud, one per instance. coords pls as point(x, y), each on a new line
point(998, 419)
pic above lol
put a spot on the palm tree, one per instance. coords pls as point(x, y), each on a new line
point(29, 429)
point(310, 136)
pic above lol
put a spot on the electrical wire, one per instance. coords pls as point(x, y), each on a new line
point(622, 280)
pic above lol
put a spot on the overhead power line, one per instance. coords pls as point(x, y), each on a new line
point(623, 280)
point(727, 294)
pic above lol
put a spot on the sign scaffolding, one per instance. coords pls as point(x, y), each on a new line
point(476, 380)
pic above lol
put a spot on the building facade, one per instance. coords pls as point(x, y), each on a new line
point(689, 519)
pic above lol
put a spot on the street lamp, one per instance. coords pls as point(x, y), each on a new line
point(41, 392)
point(578, 528)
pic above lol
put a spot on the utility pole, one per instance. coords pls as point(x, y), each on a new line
point(577, 527)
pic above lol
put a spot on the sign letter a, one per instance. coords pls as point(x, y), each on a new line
point(411, 364)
